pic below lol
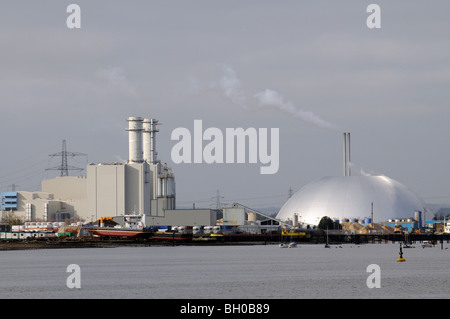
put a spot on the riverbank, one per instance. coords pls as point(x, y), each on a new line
point(28, 244)
point(311, 238)
point(37, 244)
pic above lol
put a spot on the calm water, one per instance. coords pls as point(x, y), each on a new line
point(309, 271)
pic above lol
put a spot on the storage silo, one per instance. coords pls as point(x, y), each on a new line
point(418, 218)
point(351, 196)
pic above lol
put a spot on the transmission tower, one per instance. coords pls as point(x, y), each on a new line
point(218, 197)
point(12, 187)
point(64, 167)
point(290, 192)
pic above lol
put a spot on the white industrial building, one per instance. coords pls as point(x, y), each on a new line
point(348, 197)
point(142, 186)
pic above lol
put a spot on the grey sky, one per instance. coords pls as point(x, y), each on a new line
point(389, 87)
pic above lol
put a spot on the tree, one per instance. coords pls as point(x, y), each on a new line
point(12, 219)
point(326, 222)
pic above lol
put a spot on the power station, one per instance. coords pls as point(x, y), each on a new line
point(142, 186)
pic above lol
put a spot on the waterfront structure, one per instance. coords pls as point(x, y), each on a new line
point(143, 185)
point(351, 197)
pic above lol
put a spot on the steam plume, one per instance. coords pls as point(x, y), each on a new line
point(232, 88)
point(273, 98)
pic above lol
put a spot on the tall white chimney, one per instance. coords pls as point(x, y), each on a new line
point(149, 140)
point(134, 139)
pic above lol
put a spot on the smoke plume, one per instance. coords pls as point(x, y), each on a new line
point(274, 99)
point(232, 88)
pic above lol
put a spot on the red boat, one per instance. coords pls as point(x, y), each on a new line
point(134, 227)
point(120, 232)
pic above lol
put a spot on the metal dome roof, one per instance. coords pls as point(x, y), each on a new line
point(351, 197)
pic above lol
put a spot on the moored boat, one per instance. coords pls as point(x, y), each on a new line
point(119, 232)
point(172, 235)
point(426, 243)
point(134, 226)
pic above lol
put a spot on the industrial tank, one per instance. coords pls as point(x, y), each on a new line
point(351, 197)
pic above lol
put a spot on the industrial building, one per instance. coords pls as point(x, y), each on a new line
point(145, 186)
point(141, 186)
point(350, 197)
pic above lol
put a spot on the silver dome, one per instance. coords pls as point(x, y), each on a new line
point(350, 197)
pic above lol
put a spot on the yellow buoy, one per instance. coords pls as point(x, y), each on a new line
point(401, 254)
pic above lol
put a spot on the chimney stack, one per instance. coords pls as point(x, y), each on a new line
point(346, 155)
point(149, 140)
point(135, 140)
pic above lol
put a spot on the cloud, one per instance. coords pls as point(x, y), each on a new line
point(116, 80)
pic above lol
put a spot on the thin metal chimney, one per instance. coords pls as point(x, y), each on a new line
point(349, 170)
point(346, 154)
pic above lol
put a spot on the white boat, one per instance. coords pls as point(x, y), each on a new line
point(426, 243)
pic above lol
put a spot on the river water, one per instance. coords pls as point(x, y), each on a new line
point(231, 272)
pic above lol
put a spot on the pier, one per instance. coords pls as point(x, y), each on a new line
point(319, 237)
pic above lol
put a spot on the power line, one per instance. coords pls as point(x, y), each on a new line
point(435, 197)
point(233, 199)
point(22, 169)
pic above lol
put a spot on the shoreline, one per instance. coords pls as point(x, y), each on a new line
point(33, 245)
point(313, 239)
